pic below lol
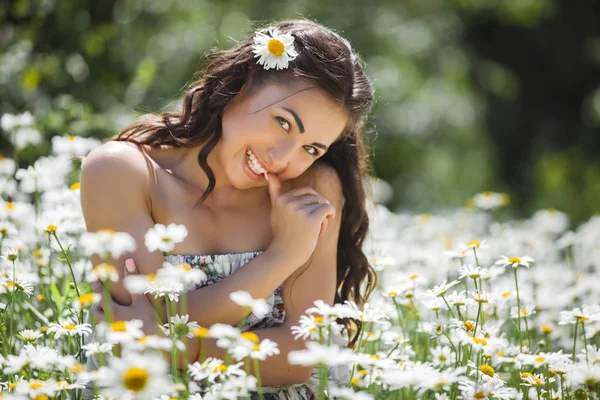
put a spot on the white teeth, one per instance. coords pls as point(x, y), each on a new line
point(253, 164)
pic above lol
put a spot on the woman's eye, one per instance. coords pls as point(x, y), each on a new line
point(284, 123)
point(311, 150)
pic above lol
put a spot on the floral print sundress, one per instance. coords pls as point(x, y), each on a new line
point(218, 267)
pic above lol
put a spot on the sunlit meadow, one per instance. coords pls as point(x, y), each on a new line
point(467, 307)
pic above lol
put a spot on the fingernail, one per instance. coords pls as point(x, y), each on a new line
point(130, 265)
point(267, 176)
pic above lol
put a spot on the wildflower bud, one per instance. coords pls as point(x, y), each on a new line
point(542, 344)
point(51, 228)
point(580, 394)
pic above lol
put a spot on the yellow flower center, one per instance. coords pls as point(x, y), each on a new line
point(480, 340)
point(251, 336)
point(500, 353)
point(185, 267)
point(487, 370)
point(546, 329)
point(540, 359)
point(86, 299)
point(355, 381)
point(118, 326)
point(414, 276)
point(69, 327)
point(135, 379)
point(71, 137)
point(201, 332)
point(220, 368)
point(10, 205)
point(582, 319)
point(474, 243)
point(392, 294)
point(12, 386)
point(106, 231)
point(469, 325)
point(51, 228)
point(319, 319)
point(506, 294)
point(76, 186)
point(524, 311)
point(40, 298)
point(77, 368)
point(40, 397)
point(35, 384)
point(362, 372)
point(276, 47)
point(514, 260)
point(256, 348)
point(479, 395)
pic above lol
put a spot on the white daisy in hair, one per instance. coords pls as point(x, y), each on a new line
point(274, 50)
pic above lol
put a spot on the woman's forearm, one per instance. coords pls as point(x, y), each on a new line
point(260, 277)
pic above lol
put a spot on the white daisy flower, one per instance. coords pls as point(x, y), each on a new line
point(490, 200)
point(108, 241)
point(441, 289)
point(317, 353)
point(86, 300)
point(490, 389)
point(104, 272)
point(583, 314)
point(515, 261)
point(35, 387)
point(274, 50)
point(10, 254)
point(225, 334)
point(144, 375)
point(259, 307)
point(121, 331)
point(19, 284)
point(95, 348)
point(30, 335)
point(164, 238)
point(67, 328)
point(484, 372)
point(181, 326)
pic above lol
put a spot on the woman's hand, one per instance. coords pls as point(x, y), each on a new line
point(298, 218)
point(140, 308)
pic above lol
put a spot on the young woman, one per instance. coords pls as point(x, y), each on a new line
point(265, 166)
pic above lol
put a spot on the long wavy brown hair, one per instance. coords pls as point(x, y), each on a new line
point(324, 58)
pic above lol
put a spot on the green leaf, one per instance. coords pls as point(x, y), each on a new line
point(56, 296)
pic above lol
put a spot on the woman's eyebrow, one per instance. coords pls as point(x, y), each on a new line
point(296, 117)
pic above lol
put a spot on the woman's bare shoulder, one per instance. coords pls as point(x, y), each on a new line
point(323, 178)
point(117, 160)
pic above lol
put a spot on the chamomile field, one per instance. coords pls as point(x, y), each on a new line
point(466, 307)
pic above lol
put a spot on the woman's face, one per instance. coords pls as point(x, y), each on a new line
point(284, 128)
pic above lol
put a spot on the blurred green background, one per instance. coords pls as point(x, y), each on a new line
point(472, 95)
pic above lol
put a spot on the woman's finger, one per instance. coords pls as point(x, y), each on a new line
point(97, 287)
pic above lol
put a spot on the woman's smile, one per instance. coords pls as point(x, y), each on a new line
point(252, 166)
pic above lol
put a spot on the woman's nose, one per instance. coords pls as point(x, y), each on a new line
point(281, 153)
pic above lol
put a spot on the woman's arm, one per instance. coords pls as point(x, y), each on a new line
point(301, 289)
point(115, 182)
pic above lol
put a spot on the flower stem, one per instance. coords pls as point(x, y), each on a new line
point(259, 383)
point(575, 339)
point(518, 308)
